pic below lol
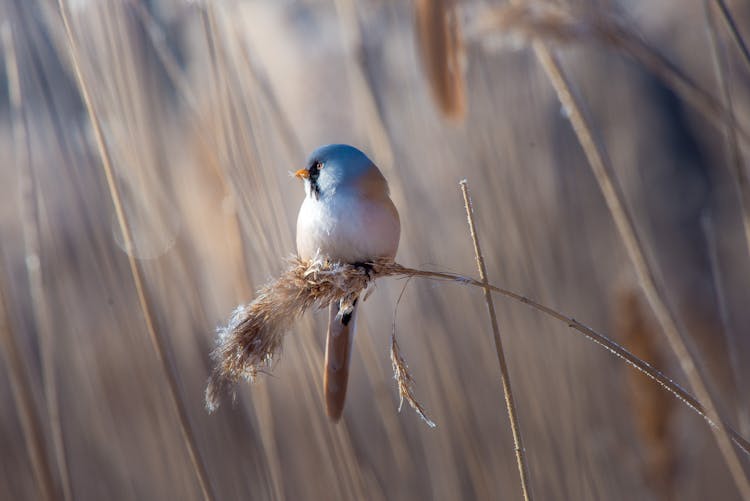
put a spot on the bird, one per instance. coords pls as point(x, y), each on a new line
point(348, 217)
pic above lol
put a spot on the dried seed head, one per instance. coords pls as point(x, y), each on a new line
point(252, 338)
point(441, 48)
point(405, 383)
point(250, 341)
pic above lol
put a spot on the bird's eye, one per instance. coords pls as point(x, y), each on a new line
point(317, 165)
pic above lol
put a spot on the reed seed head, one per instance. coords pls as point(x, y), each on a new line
point(251, 340)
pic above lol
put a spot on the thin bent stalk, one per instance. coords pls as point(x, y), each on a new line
point(515, 427)
point(253, 336)
point(623, 222)
point(600, 339)
point(159, 343)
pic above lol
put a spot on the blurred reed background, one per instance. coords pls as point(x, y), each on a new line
point(205, 106)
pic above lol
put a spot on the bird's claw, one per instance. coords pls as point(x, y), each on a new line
point(367, 268)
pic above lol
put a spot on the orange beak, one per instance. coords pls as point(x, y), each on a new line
point(302, 174)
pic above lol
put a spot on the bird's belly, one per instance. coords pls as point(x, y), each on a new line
point(348, 229)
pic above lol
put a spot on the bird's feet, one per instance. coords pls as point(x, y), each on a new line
point(367, 268)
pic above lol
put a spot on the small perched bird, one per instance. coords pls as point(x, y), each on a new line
point(348, 217)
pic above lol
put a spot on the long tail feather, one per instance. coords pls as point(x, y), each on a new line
point(338, 354)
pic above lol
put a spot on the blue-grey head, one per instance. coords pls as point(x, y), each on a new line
point(336, 167)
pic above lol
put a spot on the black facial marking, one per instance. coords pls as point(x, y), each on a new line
point(314, 171)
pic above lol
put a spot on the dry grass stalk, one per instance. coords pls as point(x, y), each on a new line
point(602, 171)
point(157, 340)
point(405, 383)
point(440, 45)
point(531, 22)
point(24, 403)
point(239, 130)
point(31, 231)
point(239, 91)
point(249, 342)
point(515, 427)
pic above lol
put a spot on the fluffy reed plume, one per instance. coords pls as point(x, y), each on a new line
point(251, 339)
point(253, 336)
point(440, 46)
point(254, 333)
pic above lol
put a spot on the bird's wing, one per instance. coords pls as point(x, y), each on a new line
point(338, 354)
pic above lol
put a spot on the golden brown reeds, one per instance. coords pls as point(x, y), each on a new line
point(157, 339)
point(441, 48)
point(529, 22)
point(603, 172)
point(617, 36)
point(454, 461)
point(252, 338)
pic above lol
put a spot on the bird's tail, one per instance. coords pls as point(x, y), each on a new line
point(338, 354)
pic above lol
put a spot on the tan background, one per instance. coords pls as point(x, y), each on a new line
point(202, 138)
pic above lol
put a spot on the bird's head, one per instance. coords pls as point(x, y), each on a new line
point(335, 167)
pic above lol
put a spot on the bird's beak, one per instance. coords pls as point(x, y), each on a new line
point(302, 174)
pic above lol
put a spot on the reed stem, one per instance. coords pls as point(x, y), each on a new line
point(515, 427)
point(600, 339)
point(157, 339)
point(623, 221)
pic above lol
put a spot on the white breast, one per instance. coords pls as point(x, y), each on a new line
point(348, 228)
